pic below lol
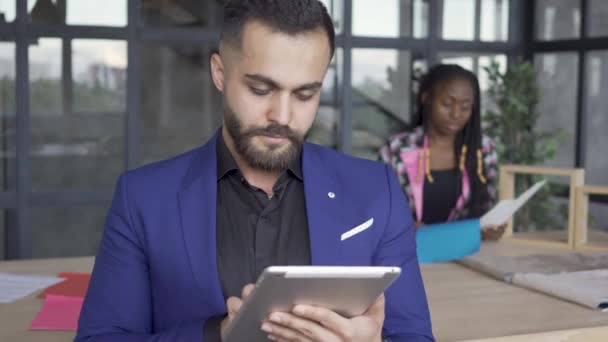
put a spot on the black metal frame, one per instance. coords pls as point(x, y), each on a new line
point(22, 199)
point(582, 47)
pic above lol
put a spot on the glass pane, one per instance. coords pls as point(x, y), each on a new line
point(77, 125)
point(545, 216)
point(3, 224)
point(335, 9)
point(558, 19)
point(46, 91)
point(324, 130)
point(598, 18)
point(180, 106)
point(484, 81)
point(485, 62)
point(99, 69)
point(465, 60)
point(556, 75)
point(7, 219)
point(8, 127)
point(7, 11)
point(381, 98)
point(458, 19)
point(494, 20)
point(78, 12)
point(66, 232)
point(185, 13)
point(597, 234)
point(596, 162)
point(476, 63)
point(394, 18)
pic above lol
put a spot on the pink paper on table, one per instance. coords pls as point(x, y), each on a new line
point(58, 313)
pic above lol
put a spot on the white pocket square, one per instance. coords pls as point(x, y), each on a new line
point(358, 229)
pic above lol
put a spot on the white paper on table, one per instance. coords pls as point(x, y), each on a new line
point(15, 286)
point(503, 211)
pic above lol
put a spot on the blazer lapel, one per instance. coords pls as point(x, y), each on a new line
point(324, 212)
point(197, 203)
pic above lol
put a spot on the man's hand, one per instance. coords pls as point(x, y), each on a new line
point(234, 305)
point(493, 233)
point(315, 324)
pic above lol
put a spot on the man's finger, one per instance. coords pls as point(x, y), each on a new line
point(377, 307)
point(247, 291)
point(308, 328)
point(234, 305)
point(283, 333)
point(323, 316)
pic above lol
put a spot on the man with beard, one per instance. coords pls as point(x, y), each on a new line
point(185, 237)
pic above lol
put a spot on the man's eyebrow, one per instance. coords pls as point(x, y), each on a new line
point(274, 84)
point(310, 86)
point(263, 79)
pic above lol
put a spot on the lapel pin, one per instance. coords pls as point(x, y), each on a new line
point(331, 195)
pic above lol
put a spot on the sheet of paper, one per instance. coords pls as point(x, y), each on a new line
point(506, 208)
point(58, 313)
point(14, 286)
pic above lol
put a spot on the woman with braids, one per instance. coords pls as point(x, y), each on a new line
point(446, 167)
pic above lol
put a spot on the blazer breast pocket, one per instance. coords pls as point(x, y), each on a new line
point(349, 234)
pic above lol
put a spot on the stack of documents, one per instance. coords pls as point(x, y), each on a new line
point(14, 287)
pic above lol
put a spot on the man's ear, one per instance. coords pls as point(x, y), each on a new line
point(218, 71)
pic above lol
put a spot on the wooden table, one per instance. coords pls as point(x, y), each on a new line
point(597, 334)
point(15, 318)
point(464, 305)
point(467, 305)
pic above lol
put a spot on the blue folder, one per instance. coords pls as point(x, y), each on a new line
point(448, 241)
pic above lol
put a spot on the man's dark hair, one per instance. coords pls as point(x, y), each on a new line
point(287, 16)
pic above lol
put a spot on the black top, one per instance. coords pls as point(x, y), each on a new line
point(440, 197)
point(255, 231)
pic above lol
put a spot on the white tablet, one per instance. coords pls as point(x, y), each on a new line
point(347, 290)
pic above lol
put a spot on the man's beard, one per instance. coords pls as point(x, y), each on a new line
point(272, 159)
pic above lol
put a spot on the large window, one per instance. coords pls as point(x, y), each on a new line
point(180, 106)
point(109, 86)
point(556, 75)
point(381, 97)
point(77, 115)
point(571, 63)
point(394, 18)
point(77, 12)
point(7, 116)
point(597, 119)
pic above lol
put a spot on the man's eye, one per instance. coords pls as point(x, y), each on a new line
point(304, 97)
point(259, 92)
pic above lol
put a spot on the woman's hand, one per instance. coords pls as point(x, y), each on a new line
point(493, 233)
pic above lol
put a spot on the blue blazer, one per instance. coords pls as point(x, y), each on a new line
point(155, 277)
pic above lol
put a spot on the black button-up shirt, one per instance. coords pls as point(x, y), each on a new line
point(255, 231)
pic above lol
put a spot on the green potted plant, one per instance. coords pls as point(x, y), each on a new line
point(512, 122)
